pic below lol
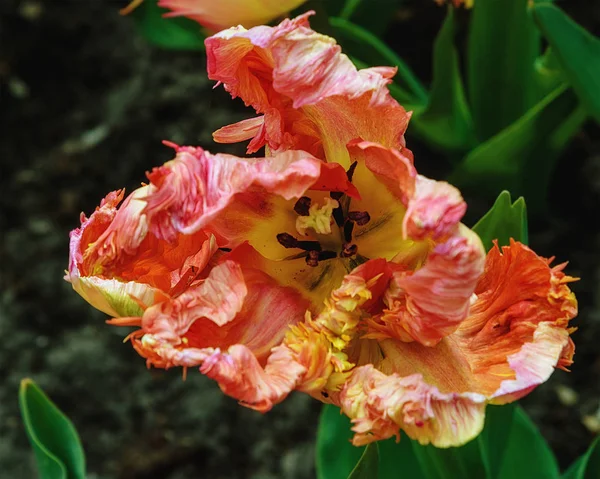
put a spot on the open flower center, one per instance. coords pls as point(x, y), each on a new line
point(332, 223)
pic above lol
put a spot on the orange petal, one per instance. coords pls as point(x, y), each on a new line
point(309, 91)
point(217, 15)
point(514, 337)
point(380, 405)
point(232, 325)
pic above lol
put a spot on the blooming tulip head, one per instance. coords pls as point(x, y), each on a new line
point(217, 15)
point(330, 266)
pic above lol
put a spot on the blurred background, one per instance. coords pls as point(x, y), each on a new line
point(84, 104)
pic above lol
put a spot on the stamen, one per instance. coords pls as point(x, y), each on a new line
point(348, 227)
point(313, 257)
point(288, 241)
point(338, 215)
point(350, 172)
point(361, 218)
point(302, 206)
point(348, 250)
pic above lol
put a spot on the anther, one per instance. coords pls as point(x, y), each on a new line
point(302, 206)
point(338, 216)
point(348, 250)
point(350, 172)
point(348, 227)
point(361, 218)
point(312, 259)
point(288, 241)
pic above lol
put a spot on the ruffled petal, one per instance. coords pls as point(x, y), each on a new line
point(231, 325)
point(380, 405)
point(514, 337)
point(309, 91)
point(236, 199)
point(216, 15)
point(517, 331)
point(437, 260)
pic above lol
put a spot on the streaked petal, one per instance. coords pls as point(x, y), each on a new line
point(380, 405)
point(236, 199)
point(220, 14)
point(311, 93)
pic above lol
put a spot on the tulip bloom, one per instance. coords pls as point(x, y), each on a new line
point(330, 266)
point(219, 14)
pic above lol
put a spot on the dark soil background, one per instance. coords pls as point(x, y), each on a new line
point(84, 105)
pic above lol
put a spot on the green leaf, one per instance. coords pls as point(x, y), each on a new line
point(521, 158)
point(368, 48)
point(55, 442)
point(588, 465)
point(578, 52)
point(548, 74)
point(373, 15)
point(175, 33)
point(446, 121)
point(503, 221)
point(527, 451)
point(336, 456)
point(503, 46)
point(368, 465)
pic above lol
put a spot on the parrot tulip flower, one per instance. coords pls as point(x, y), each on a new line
point(330, 266)
point(217, 15)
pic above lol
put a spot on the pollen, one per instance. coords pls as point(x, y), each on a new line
point(319, 218)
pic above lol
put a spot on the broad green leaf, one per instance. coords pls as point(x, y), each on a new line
point(503, 221)
point(521, 158)
point(446, 120)
point(503, 46)
point(578, 52)
point(588, 465)
point(527, 451)
point(55, 442)
point(368, 48)
point(336, 456)
point(373, 15)
point(175, 33)
point(548, 74)
point(368, 464)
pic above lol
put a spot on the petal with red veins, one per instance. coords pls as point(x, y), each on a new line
point(236, 199)
point(216, 15)
point(320, 96)
point(380, 405)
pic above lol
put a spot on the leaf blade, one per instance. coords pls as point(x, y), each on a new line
point(500, 63)
point(503, 221)
point(368, 464)
point(577, 50)
point(58, 450)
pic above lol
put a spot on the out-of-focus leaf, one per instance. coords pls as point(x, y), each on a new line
point(374, 15)
point(446, 120)
point(336, 456)
point(397, 459)
point(577, 50)
point(548, 74)
point(503, 46)
point(368, 464)
point(368, 48)
point(521, 158)
point(503, 221)
point(175, 33)
point(527, 451)
point(588, 465)
point(509, 442)
point(55, 442)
